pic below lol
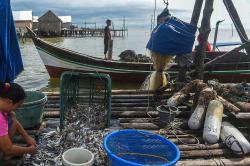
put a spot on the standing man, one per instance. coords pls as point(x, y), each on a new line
point(107, 37)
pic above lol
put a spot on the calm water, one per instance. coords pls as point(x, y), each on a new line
point(35, 76)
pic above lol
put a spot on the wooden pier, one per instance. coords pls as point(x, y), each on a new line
point(93, 32)
point(136, 109)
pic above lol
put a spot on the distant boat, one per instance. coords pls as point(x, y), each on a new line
point(233, 68)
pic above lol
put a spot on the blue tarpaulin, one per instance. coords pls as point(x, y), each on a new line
point(173, 37)
point(10, 56)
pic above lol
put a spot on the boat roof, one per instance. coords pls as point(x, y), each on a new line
point(65, 19)
point(22, 15)
point(225, 44)
point(35, 18)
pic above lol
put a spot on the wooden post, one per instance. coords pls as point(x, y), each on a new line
point(204, 32)
point(196, 12)
point(194, 21)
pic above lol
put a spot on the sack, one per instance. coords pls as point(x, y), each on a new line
point(174, 37)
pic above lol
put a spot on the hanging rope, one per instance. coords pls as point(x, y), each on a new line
point(166, 2)
point(154, 15)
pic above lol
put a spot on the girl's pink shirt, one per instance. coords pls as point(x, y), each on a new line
point(3, 124)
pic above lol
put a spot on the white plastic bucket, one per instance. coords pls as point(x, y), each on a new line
point(78, 157)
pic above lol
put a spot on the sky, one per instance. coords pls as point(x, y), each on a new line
point(137, 13)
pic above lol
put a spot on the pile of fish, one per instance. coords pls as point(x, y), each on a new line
point(131, 56)
point(83, 127)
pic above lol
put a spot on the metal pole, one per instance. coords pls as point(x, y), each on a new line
point(216, 33)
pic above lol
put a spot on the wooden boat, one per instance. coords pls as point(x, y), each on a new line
point(233, 68)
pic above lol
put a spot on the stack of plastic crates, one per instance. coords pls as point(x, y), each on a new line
point(85, 89)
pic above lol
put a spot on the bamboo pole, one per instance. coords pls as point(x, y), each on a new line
point(204, 32)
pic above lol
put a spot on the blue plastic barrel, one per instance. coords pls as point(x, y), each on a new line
point(139, 148)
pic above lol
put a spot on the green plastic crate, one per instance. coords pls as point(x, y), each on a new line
point(30, 114)
point(84, 88)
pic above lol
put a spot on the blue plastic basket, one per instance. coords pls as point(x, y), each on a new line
point(138, 148)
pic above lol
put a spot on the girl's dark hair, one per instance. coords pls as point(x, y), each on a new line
point(13, 92)
point(108, 21)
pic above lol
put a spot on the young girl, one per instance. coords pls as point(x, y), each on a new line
point(12, 97)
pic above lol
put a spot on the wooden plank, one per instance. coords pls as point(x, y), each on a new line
point(134, 114)
point(144, 114)
point(151, 126)
point(189, 140)
point(201, 147)
point(145, 92)
point(51, 114)
point(242, 115)
point(51, 109)
point(206, 153)
point(145, 126)
point(133, 109)
point(137, 120)
point(216, 161)
point(132, 104)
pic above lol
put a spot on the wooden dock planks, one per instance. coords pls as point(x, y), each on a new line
point(139, 112)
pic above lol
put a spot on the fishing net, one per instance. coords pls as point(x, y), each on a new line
point(157, 79)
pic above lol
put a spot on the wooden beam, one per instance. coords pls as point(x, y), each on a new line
point(196, 12)
point(216, 161)
point(233, 51)
point(237, 22)
point(204, 32)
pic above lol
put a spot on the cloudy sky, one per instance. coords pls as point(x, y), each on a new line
point(137, 12)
